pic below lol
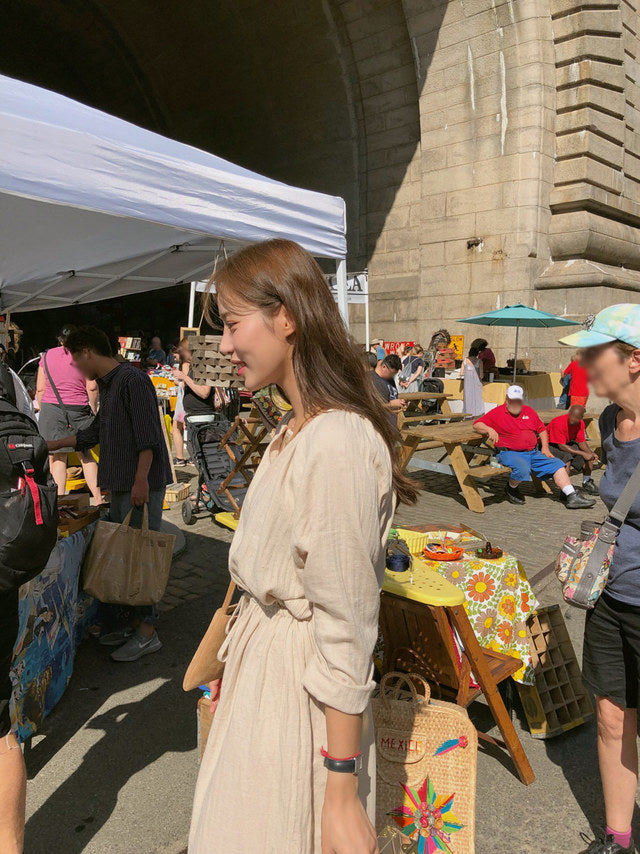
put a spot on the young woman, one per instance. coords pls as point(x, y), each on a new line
point(309, 554)
point(412, 369)
point(611, 657)
point(68, 402)
point(486, 355)
point(472, 374)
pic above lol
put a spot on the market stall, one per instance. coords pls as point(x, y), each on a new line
point(93, 207)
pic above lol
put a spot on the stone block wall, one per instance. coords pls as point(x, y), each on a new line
point(487, 149)
point(529, 166)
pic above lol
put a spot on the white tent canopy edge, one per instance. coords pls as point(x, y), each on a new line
point(93, 207)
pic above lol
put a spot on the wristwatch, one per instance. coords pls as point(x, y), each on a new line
point(344, 766)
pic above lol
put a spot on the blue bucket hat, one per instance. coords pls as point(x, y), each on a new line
point(615, 323)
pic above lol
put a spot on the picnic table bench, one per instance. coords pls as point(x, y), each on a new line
point(461, 445)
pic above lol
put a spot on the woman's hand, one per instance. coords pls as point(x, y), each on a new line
point(346, 828)
point(178, 374)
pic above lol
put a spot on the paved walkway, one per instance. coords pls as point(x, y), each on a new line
point(114, 769)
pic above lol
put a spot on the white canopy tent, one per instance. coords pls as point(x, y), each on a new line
point(92, 207)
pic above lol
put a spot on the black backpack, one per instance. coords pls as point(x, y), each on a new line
point(28, 494)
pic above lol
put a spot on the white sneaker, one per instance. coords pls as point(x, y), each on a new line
point(137, 646)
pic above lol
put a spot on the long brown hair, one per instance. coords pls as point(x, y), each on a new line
point(327, 361)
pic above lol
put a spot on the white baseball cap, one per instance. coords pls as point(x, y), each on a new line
point(515, 392)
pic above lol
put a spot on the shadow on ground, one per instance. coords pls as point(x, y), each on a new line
point(128, 718)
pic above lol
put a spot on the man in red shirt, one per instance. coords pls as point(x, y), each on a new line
point(568, 442)
point(578, 386)
point(515, 430)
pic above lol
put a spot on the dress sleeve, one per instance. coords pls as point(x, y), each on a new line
point(337, 542)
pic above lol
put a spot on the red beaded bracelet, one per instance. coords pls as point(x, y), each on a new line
point(326, 755)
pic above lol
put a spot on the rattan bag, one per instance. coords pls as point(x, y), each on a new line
point(426, 753)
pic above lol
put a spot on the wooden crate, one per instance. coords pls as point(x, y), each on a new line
point(558, 701)
point(66, 527)
point(79, 501)
point(211, 367)
point(176, 492)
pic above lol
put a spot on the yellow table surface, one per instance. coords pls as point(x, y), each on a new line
point(422, 584)
point(543, 385)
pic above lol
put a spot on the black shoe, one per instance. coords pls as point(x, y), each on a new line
point(514, 495)
point(604, 844)
point(575, 501)
point(589, 486)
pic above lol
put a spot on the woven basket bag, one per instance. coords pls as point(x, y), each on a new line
point(426, 753)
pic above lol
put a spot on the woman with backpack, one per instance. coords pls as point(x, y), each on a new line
point(289, 761)
point(610, 353)
point(68, 403)
point(410, 377)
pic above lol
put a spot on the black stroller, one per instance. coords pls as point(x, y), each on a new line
point(215, 463)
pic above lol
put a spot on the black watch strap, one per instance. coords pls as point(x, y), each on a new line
point(344, 766)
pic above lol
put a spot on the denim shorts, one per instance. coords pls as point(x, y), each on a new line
point(522, 463)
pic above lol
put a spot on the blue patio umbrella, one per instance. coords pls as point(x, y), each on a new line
point(518, 315)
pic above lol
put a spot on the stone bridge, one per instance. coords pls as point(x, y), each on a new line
point(487, 150)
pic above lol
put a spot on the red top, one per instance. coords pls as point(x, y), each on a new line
point(517, 432)
point(578, 387)
point(488, 358)
point(561, 432)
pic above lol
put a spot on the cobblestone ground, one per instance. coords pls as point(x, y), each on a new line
point(149, 810)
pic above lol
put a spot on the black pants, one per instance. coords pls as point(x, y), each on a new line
point(8, 635)
point(611, 652)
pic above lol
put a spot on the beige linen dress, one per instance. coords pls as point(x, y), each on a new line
point(309, 552)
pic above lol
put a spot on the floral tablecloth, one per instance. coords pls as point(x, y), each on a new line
point(498, 600)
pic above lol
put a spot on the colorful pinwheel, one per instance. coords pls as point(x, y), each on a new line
point(427, 818)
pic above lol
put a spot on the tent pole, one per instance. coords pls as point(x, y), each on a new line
point(192, 304)
point(341, 282)
point(366, 320)
point(515, 357)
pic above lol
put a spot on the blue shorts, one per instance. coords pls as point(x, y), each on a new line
point(522, 463)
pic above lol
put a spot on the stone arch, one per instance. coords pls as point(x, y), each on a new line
point(321, 94)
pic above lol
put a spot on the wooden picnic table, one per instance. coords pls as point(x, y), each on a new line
point(460, 441)
point(414, 413)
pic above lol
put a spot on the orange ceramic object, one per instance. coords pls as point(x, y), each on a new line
point(435, 551)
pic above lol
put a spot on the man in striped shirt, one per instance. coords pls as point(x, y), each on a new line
point(134, 463)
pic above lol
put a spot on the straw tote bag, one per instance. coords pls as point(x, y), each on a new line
point(128, 566)
point(205, 667)
point(426, 754)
